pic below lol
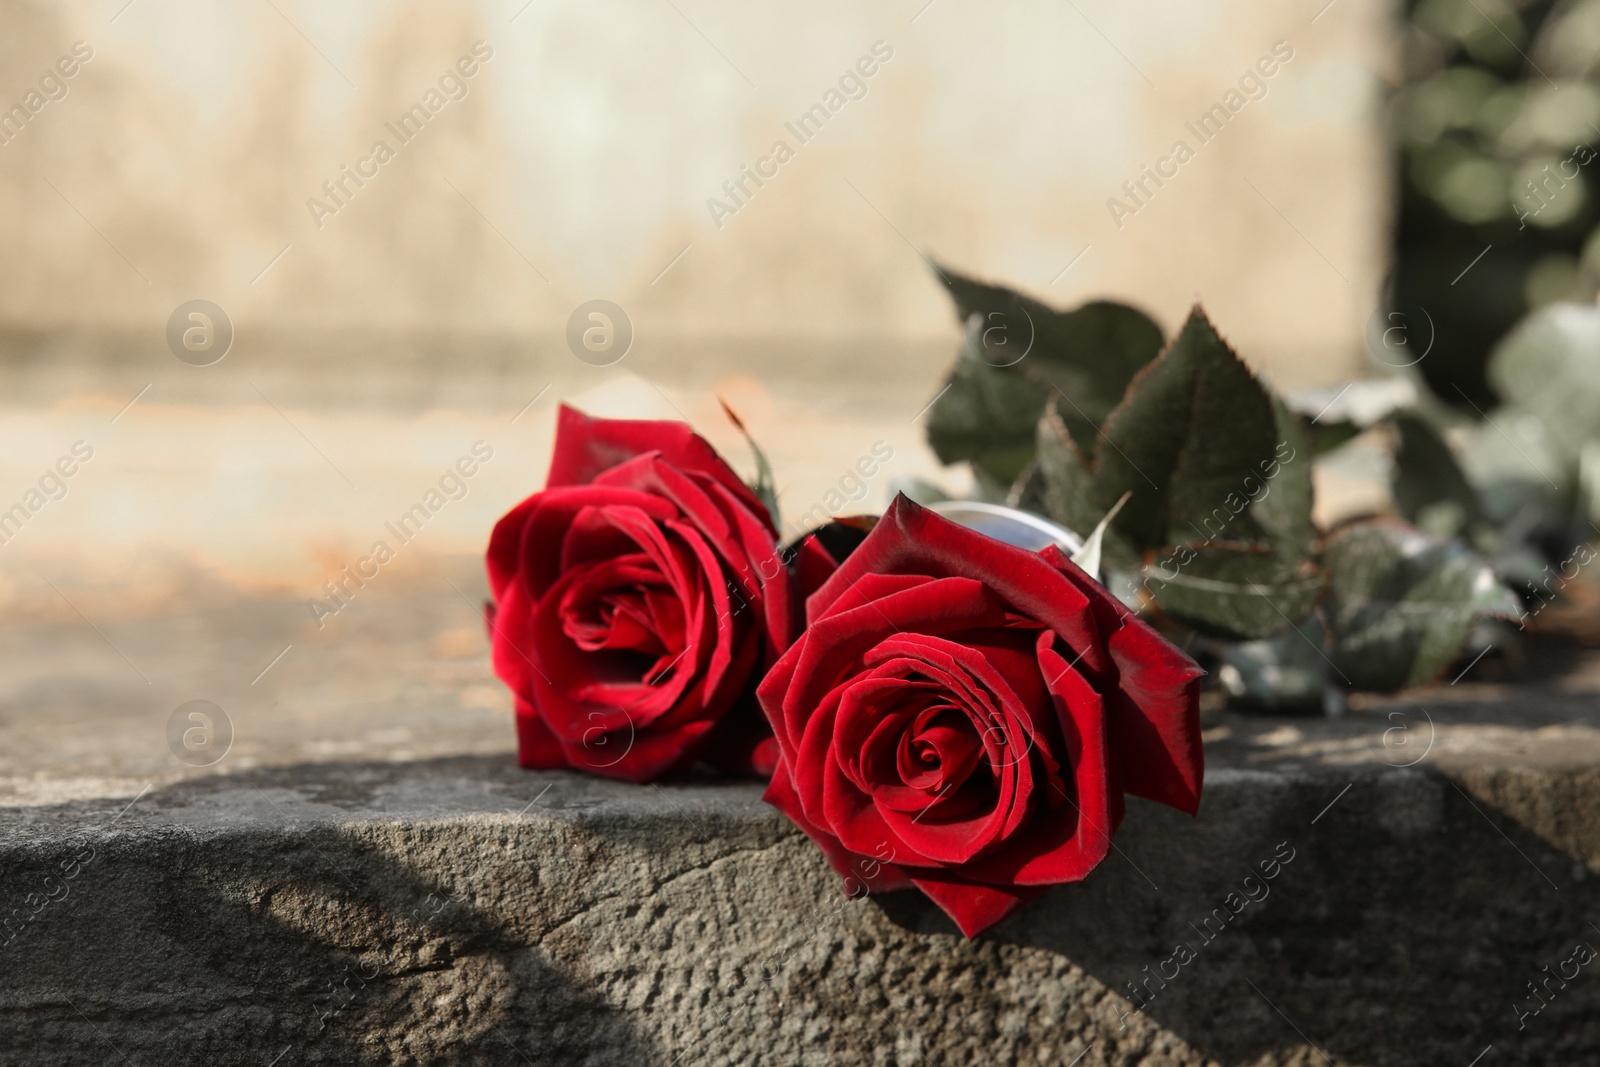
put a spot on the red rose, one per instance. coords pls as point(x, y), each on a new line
point(965, 717)
point(638, 598)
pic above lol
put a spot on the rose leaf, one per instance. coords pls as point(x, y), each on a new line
point(1064, 489)
point(1284, 675)
point(1429, 487)
point(1282, 505)
point(1016, 352)
point(1549, 364)
point(1337, 413)
point(1401, 602)
point(763, 485)
point(985, 415)
point(1233, 590)
point(1193, 430)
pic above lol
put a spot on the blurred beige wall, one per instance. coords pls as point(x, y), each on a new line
point(579, 164)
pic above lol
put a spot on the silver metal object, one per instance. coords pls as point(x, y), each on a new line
point(1019, 528)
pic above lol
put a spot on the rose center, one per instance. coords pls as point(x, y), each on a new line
point(629, 617)
point(939, 751)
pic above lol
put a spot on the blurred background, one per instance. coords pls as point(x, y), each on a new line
point(1494, 122)
point(394, 214)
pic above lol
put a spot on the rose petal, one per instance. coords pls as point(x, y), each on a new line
point(1050, 673)
point(1156, 727)
point(1154, 706)
point(637, 756)
point(606, 607)
point(587, 447)
point(811, 566)
point(635, 599)
point(972, 906)
point(865, 590)
point(593, 533)
point(508, 643)
point(839, 640)
point(650, 473)
point(505, 545)
point(859, 872)
point(537, 747)
point(1064, 842)
point(680, 557)
point(760, 567)
point(602, 688)
point(910, 539)
point(999, 714)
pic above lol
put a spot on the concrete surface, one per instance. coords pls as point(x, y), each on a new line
point(460, 911)
point(367, 878)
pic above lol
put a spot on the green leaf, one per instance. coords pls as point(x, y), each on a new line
point(1090, 353)
point(1284, 675)
point(1016, 352)
point(763, 485)
point(1337, 413)
point(985, 414)
point(1027, 492)
point(1401, 603)
point(1065, 488)
point(1327, 435)
point(1283, 508)
point(1234, 590)
point(1194, 427)
point(1429, 488)
point(1549, 366)
point(1221, 478)
point(1515, 465)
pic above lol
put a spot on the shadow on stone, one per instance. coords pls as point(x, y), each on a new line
point(1404, 929)
point(275, 936)
point(464, 911)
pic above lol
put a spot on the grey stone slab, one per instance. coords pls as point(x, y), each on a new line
point(459, 910)
point(368, 878)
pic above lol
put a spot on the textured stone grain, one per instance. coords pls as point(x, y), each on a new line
point(462, 911)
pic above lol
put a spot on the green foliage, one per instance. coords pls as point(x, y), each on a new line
point(1549, 366)
point(1063, 483)
point(1193, 426)
point(1337, 413)
point(1327, 436)
point(1284, 512)
point(1197, 481)
point(762, 485)
point(1402, 603)
point(1016, 354)
point(1218, 484)
point(1492, 124)
point(1532, 463)
point(986, 414)
point(1283, 675)
point(1428, 486)
point(1235, 590)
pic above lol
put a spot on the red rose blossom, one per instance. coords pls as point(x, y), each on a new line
point(637, 600)
point(964, 716)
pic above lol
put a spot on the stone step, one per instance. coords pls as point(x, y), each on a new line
point(459, 910)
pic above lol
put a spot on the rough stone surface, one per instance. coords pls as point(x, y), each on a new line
point(461, 911)
point(367, 878)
